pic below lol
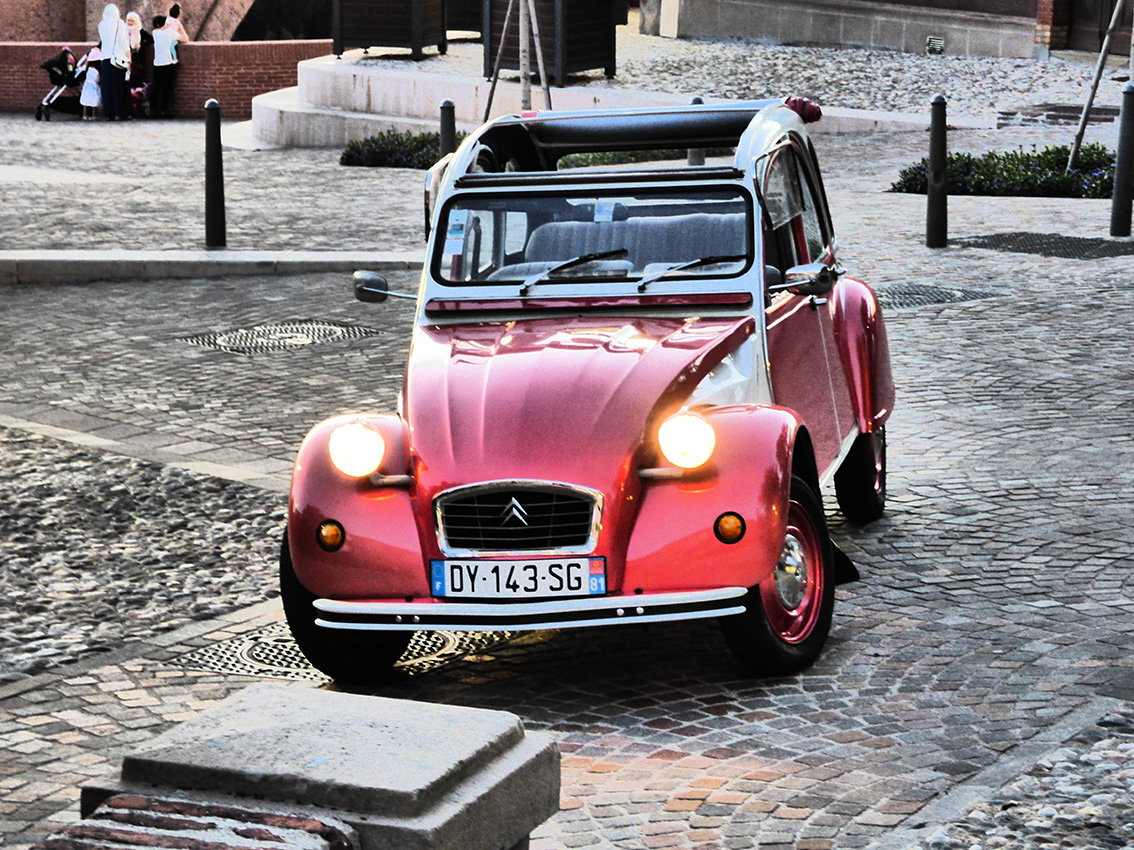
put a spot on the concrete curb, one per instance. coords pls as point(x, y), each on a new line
point(85, 266)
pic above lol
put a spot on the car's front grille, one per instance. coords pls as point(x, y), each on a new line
point(517, 518)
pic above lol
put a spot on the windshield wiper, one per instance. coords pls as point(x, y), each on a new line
point(687, 264)
point(568, 264)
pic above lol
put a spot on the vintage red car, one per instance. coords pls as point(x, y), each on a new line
point(626, 388)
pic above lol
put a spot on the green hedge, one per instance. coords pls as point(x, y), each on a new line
point(1034, 173)
point(395, 149)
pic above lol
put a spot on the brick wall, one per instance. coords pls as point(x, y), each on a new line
point(231, 71)
point(1053, 23)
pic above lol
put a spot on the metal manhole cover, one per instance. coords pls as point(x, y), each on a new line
point(898, 295)
point(271, 652)
point(283, 336)
point(1050, 245)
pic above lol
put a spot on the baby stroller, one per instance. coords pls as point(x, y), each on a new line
point(66, 77)
point(140, 100)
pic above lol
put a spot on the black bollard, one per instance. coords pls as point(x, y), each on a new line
point(696, 156)
point(214, 178)
point(937, 192)
point(448, 127)
point(1121, 198)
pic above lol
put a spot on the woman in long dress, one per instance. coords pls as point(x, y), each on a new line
point(115, 48)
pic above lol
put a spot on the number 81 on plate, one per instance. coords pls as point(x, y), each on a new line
point(533, 579)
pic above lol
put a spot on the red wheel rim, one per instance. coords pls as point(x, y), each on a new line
point(793, 596)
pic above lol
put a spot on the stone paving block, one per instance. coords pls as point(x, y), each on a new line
point(404, 774)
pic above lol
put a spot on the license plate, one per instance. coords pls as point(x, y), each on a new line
point(531, 579)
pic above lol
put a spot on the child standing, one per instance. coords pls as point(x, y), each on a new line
point(91, 96)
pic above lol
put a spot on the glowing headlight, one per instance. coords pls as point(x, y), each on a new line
point(356, 449)
point(687, 440)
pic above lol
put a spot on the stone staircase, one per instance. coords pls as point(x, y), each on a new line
point(353, 97)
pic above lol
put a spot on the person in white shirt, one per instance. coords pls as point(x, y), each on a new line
point(167, 34)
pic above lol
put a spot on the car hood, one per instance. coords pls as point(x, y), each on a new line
point(550, 399)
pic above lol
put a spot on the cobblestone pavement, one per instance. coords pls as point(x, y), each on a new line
point(958, 702)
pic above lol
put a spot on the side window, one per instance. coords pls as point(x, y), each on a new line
point(793, 208)
point(813, 231)
point(783, 204)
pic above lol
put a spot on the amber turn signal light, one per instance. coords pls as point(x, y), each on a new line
point(729, 527)
point(330, 536)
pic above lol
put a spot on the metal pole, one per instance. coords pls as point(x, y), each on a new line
point(448, 127)
point(696, 156)
point(1099, 66)
point(539, 56)
point(1123, 197)
point(214, 178)
point(937, 191)
point(499, 55)
point(525, 58)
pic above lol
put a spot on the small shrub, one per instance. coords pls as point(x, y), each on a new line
point(402, 149)
point(395, 149)
point(1034, 173)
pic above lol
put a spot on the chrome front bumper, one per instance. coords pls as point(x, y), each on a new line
point(527, 616)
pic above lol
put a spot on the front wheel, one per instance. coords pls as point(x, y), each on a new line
point(345, 656)
point(789, 613)
point(860, 483)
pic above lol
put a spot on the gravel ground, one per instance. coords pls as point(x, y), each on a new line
point(1081, 795)
point(852, 78)
point(98, 550)
point(864, 79)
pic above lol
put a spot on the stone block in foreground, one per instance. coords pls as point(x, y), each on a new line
point(403, 774)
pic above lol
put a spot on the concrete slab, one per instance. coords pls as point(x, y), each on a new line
point(404, 774)
point(85, 265)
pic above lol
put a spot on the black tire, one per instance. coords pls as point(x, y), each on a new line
point(39, 112)
point(860, 482)
point(351, 657)
point(775, 637)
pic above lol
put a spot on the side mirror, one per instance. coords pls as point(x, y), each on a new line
point(371, 287)
point(809, 279)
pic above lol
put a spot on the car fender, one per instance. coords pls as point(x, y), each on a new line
point(860, 333)
point(673, 545)
point(381, 554)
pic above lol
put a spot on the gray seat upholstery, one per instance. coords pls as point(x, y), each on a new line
point(668, 239)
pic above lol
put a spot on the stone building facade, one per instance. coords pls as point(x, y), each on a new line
point(65, 21)
point(981, 27)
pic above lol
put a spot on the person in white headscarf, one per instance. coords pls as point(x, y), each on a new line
point(114, 44)
point(141, 50)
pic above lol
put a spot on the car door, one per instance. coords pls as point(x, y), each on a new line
point(806, 372)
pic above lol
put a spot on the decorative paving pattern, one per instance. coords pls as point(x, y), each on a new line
point(271, 652)
point(1049, 245)
point(263, 339)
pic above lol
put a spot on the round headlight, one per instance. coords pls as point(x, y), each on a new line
point(356, 449)
point(687, 440)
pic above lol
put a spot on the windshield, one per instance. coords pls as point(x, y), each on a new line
point(534, 239)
